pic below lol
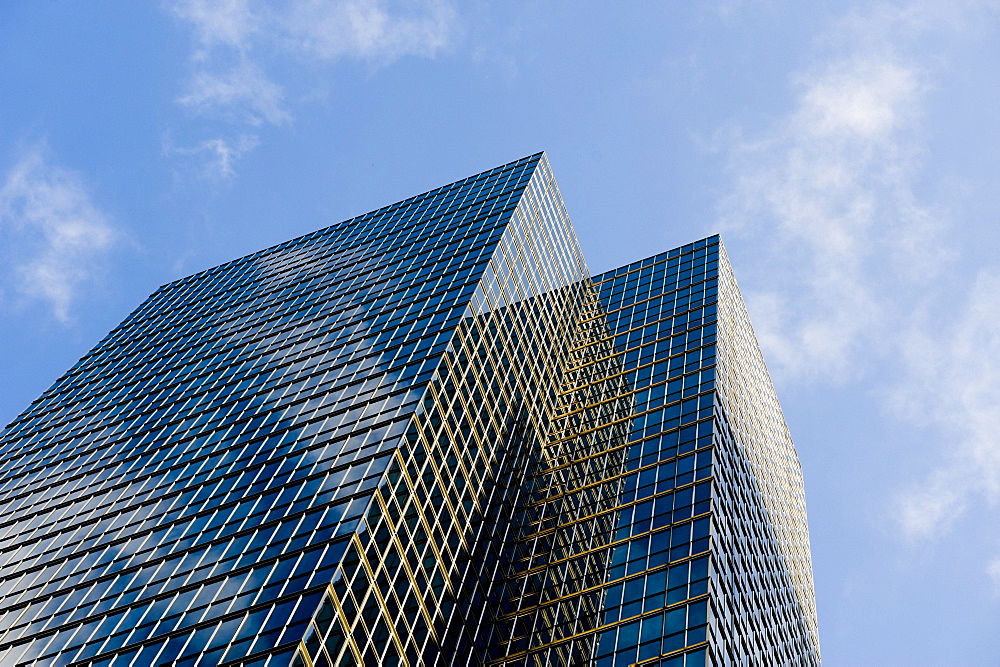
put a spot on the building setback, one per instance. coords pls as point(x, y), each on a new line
point(422, 436)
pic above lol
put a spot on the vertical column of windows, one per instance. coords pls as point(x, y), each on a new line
point(763, 586)
point(632, 496)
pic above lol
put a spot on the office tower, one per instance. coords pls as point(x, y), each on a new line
point(424, 435)
point(671, 521)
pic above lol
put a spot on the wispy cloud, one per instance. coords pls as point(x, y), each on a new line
point(55, 238)
point(952, 385)
point(993, 571)
point(240, 46)
point(240, 94)
point(217, 157)
point(368, 29)
point(855, 272)
point(219, 22)
point(831, 188)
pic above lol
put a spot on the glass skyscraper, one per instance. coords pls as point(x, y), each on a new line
point(422, 436)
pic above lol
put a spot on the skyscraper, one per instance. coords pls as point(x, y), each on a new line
point(425, 435)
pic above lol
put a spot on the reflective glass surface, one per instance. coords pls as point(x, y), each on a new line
point(421, 436)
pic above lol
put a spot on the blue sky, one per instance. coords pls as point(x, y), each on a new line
point(848, 153)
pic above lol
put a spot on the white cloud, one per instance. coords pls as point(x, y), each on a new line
point(367, 29)
point(851, 277)
point(219, 156)
point(857, 101)
point(241, 44)
point(56, 238)
point(377, 30)
point(220, 22)
point(240, 93)
point(953, 385)
point(829, 189)
point(993, 571)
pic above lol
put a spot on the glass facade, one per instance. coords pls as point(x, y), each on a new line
point(425, 435)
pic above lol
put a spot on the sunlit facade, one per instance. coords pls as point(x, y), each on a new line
point(422, 436)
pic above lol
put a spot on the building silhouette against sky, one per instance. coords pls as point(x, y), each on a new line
point(425, 435)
